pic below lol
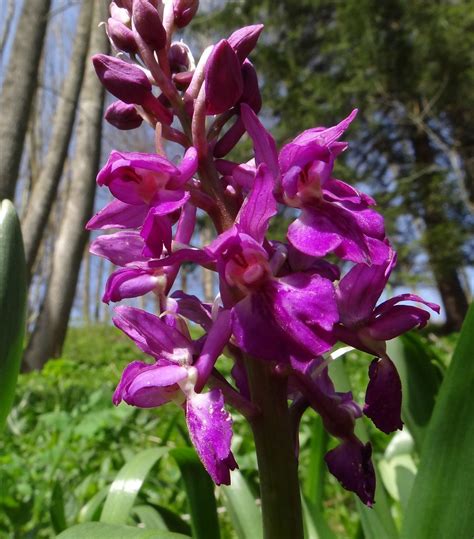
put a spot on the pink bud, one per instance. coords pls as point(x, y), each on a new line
point(223, 79)
point(123, 116)
point(184, 11)
point(125, 81)
point(120, 14)
point(148, 24)
point(122, 37)
point(251, 93)
point(180, 58)
point(243, 41)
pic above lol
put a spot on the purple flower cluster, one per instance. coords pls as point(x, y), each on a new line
point(282, 303)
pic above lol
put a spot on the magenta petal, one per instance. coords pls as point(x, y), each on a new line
point(118, 214)
point(259, 206)
point(193, 309)
point(154, 386)
point(350, 463)
point(325, 137)
point(360, 289)
point(383, 399)
point(121, 248)
point(216, 339)
point(147, 386)
point(396, 321)
point(264, 145)
point(187, 167)
point(152, 335)
point(210, 429)
point(123, 116)
point(129, 283)
point(386, 306)
point(327, 229)
point(125, 81)
point(244, 40)
point(289, 318)
point(223, 80)
point(156, 233)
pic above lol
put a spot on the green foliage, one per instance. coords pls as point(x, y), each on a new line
point(66, 444)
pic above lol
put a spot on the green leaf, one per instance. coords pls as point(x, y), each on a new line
point(101, 530)
point(315, 525)
point(149, 517)
point(200, 494)
point(129, 480)
point(421, 379)
point(442, 500)
point(397, 468)
point(243, 511)
point(12, 305)
point(377, 521)
point(313, 479)
point(91, 510)
point(56, 510)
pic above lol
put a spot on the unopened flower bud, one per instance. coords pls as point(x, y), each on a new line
point(223, 79)
point(243, 41)
point(184, 11)
point(183, 80)
point(251, 92)
point(121, 36)
point(180, 58)
point(125, 4)
point(123, 116)
point(123, 80)
point(148, 24)
point(120, 14)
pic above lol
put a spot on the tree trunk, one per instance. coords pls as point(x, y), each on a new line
point(18, 88)
point(444, 258)
point(45, 187)
point(48, 335)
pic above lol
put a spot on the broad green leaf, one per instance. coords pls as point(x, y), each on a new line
point(101, 530)
point(441, 504)
point(313, 478)
point(315, 525)
point(56, 510)
point(12, 305)
point(200, 494)
point(377, 521)
point(129, 480)
point(91, 510)
point(243, 511)
point(421, 379)
point(149, 517)
point(397, 468)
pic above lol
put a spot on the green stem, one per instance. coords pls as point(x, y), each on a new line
point(277, 463)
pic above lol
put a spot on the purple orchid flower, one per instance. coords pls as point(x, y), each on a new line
point(335, 218)
point(367, 326)
point(173, 377)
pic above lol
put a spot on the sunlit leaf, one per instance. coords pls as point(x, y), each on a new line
point(129, 480)
point(441, 504)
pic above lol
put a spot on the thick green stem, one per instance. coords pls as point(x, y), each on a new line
point(277, 463)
